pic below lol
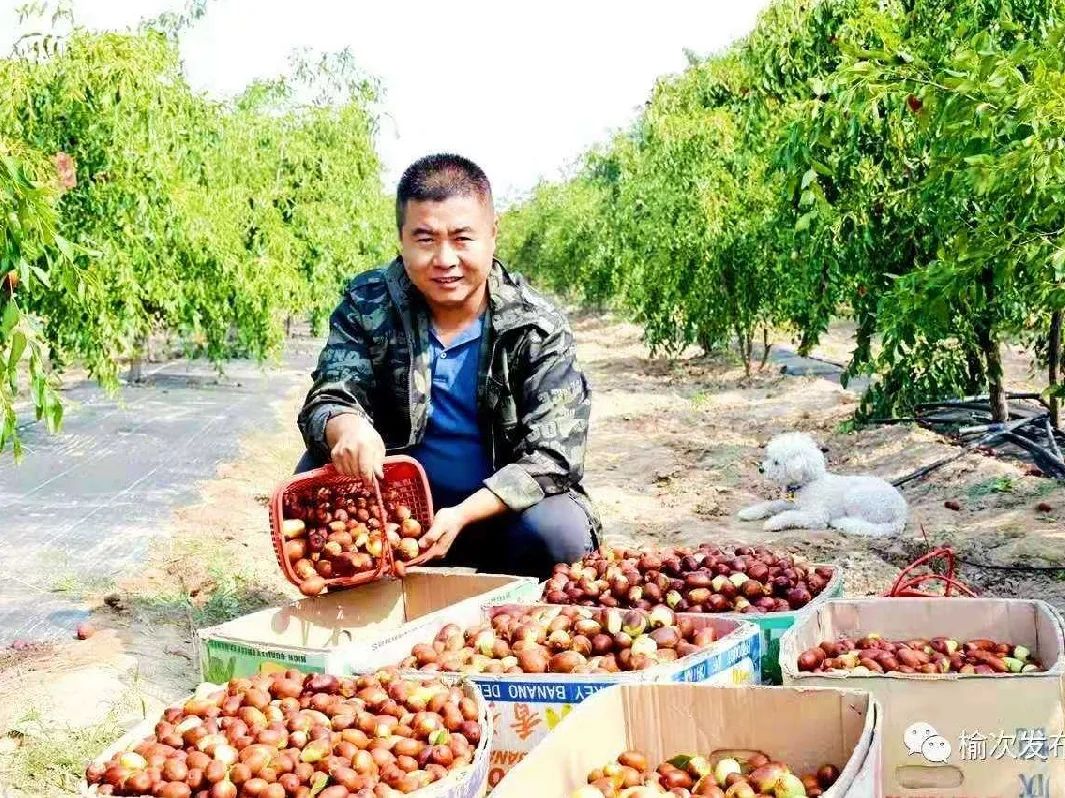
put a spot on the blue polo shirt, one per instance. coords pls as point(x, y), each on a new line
point(453, 451)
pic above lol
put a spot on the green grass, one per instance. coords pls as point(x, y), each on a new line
point(1045, 487)
point(77, 587)
point(983, 489)
point(1006, 484)
point(209, 584)
point(847, 427)
point(700, 399)
point(49, 760)
point(232, 595)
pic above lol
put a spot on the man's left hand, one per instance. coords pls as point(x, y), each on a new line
point(447, 523)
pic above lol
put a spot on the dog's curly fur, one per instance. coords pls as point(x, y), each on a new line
point(860, 505)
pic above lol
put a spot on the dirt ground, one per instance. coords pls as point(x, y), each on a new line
point(673, 455)
point(675, 449)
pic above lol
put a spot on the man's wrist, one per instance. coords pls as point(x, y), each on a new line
point(331, 437)
point(478, 506)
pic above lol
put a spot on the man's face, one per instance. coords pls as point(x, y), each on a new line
point(448, 247)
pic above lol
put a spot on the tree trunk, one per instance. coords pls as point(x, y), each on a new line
point(863, 348)
point(976, 368)
point(1053, 361)
point(995, 387)
point(743, 345)
point(989, 345)
point(704, 344)
point(136, 369)
point(765, 348)
point(136, 365)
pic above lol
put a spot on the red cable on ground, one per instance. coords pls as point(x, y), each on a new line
point(908, 587)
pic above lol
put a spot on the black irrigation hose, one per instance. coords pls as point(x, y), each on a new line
point(1013, 431)
point(1053, 439)
point(972, 436)
point(977, 406)
point(1036, 568)
point(997, 432)
point(984, 398)
point(1044, 458)
point(928, 469)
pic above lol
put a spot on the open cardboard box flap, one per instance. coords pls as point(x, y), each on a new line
point(425, 592)
point(321, 633)
point(663, 720)
point(334, 619)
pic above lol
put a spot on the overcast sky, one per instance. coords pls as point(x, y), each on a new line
point(521, 88)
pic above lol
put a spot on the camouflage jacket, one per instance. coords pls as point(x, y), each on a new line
point(532, 397)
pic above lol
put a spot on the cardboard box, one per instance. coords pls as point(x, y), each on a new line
point(975, 714)
point(809, 728)
point(773, 624)
point(318, 634)
point(467, 782)
point(526, 707)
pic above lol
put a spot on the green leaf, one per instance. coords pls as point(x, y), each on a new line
point(9, 319)
point(8, 431)
point(54, 415)
point(808, 177)
point(820, 168)
point(42, 275)
point(18, 346)
point(681, 760)
point(804, 221)
point(65, 247)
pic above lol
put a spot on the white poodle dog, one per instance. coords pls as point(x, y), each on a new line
point(860, 505)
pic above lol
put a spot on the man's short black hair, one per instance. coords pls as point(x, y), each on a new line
point(436, 177)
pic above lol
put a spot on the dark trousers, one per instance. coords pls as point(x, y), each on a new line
point(528, 543)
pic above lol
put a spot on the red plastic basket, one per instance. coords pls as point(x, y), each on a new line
point(326, 476)
point(405, 483)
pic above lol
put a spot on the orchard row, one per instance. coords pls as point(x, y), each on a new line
point(136, 208)
point(899, 163)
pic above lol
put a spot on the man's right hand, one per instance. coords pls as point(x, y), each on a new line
point(356, 448)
